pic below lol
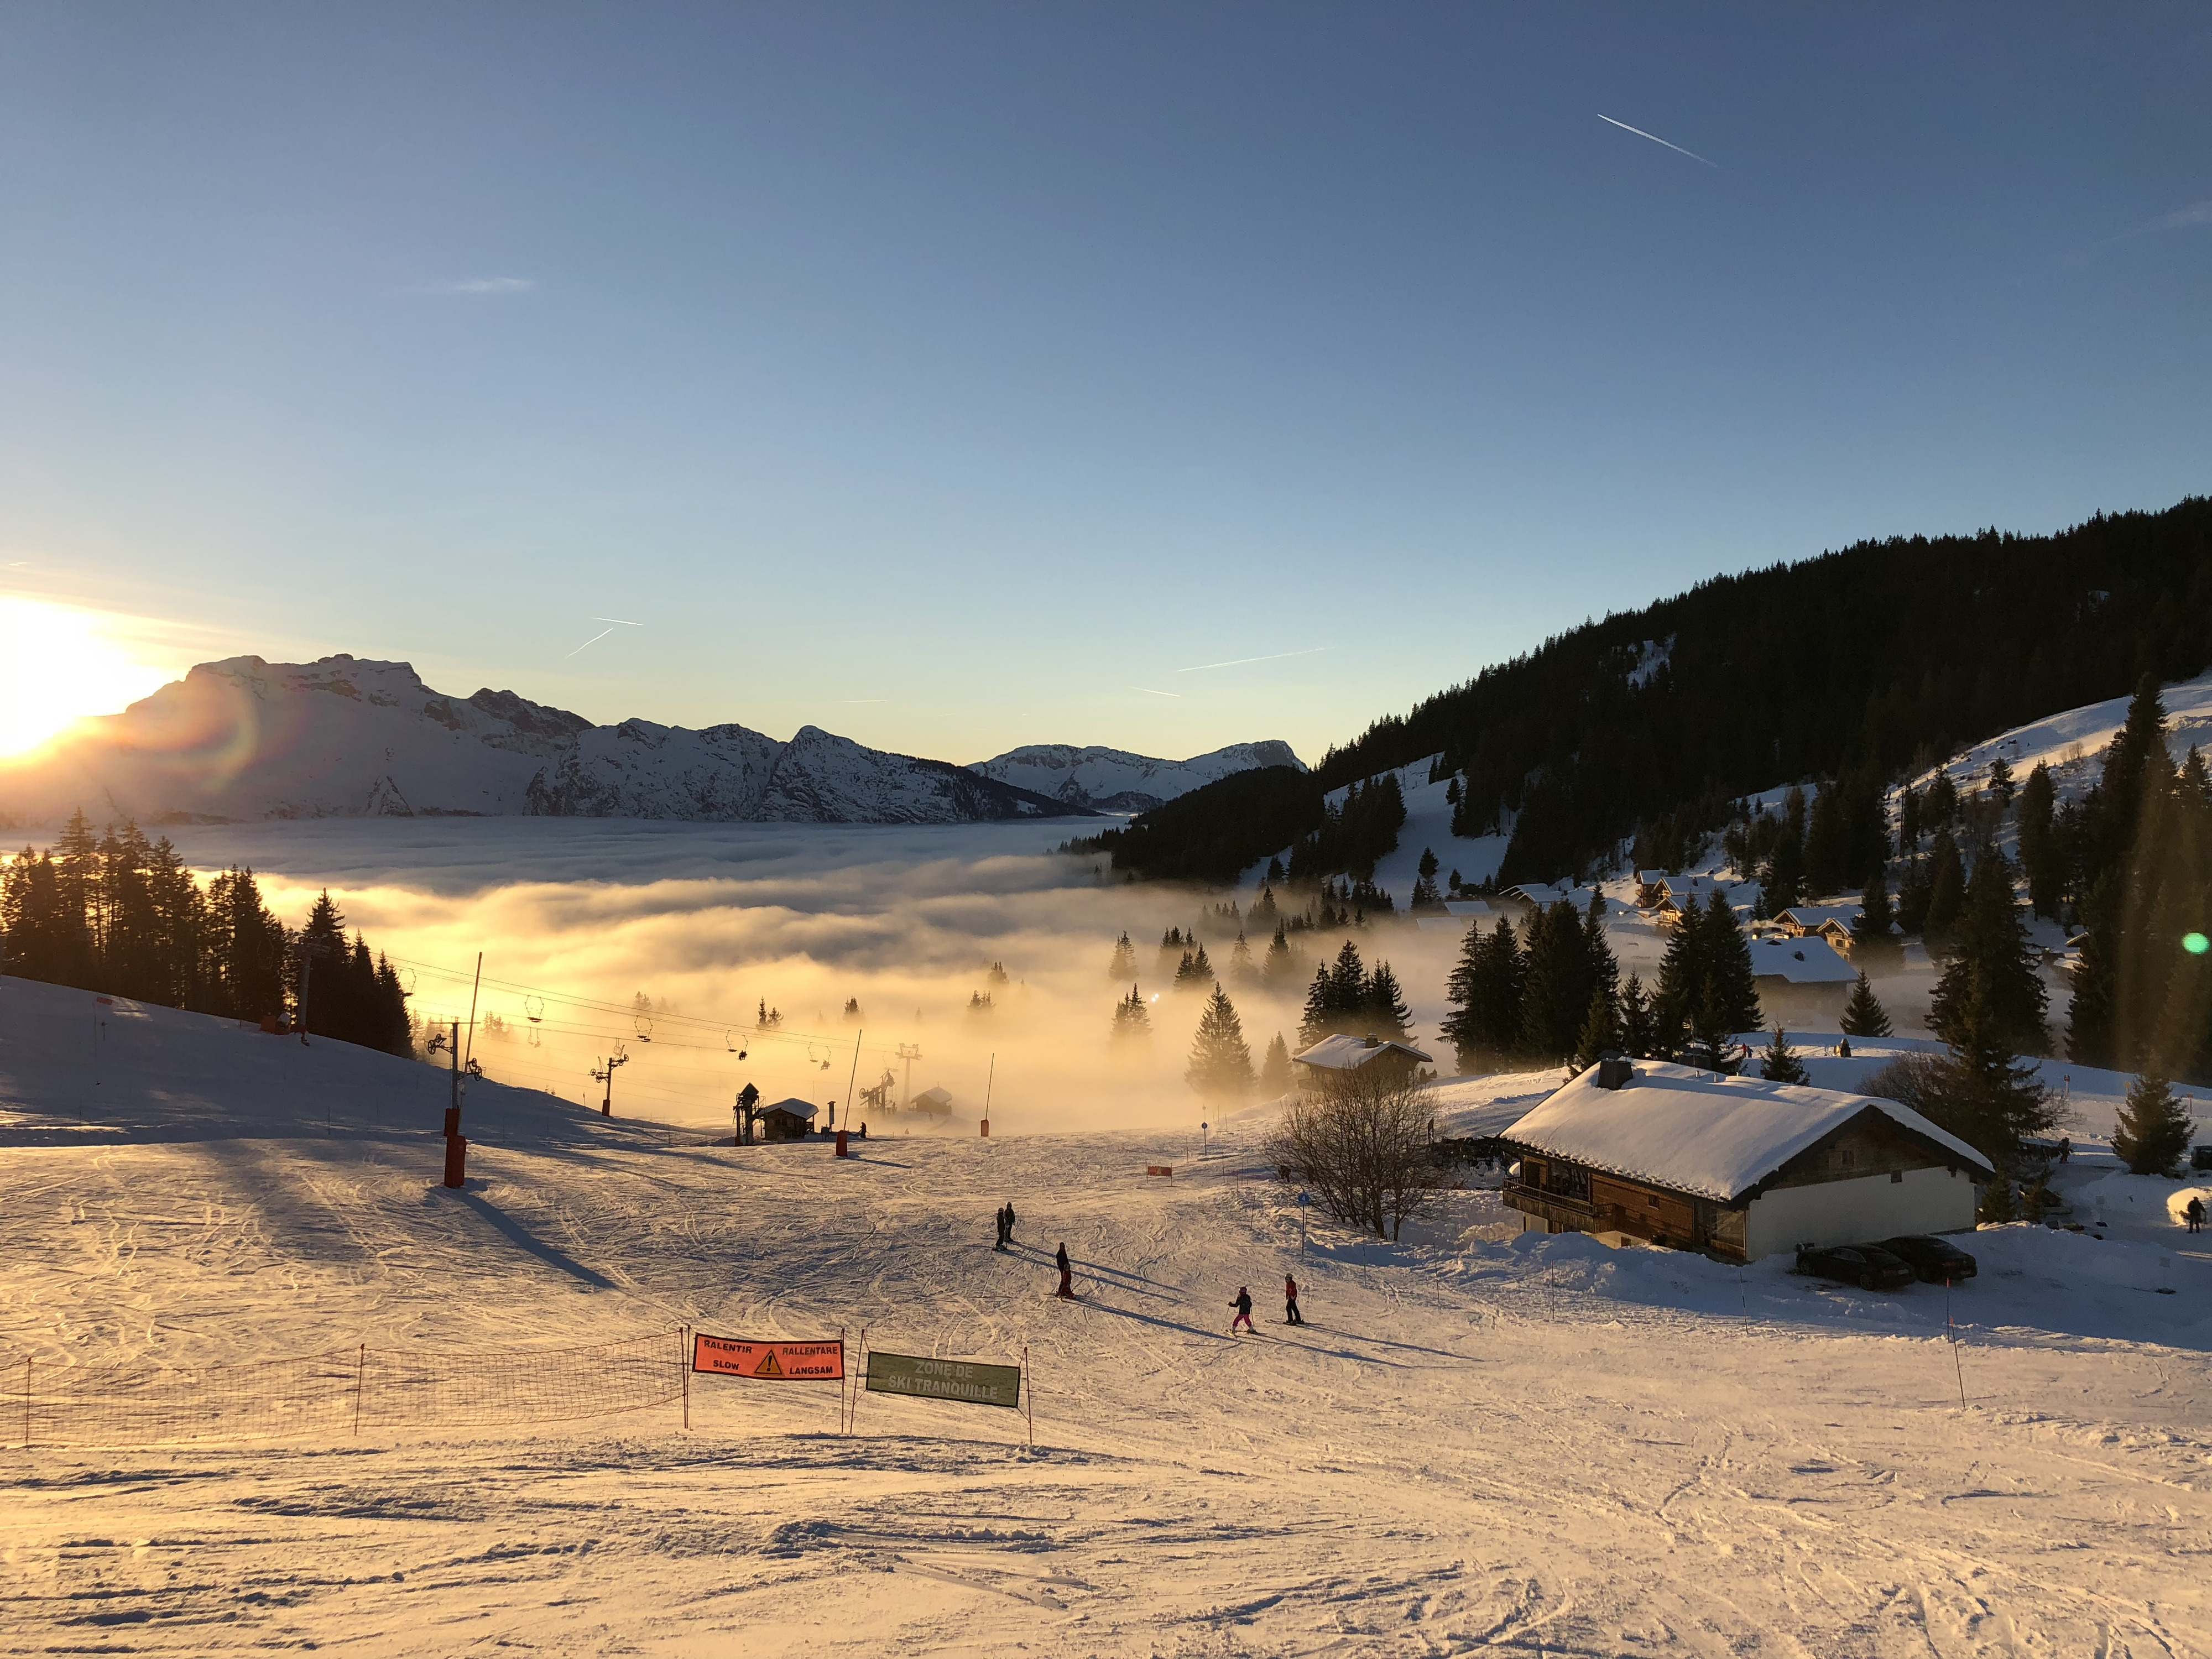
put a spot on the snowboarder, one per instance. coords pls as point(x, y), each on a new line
point(1243, 1306)
point(2194, 1213)
point(1067, 1273)
point(1290, 1302)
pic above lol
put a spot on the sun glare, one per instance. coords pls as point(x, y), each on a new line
point(58, 665)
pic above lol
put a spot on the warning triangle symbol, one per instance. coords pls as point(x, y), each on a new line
point(767, 1367)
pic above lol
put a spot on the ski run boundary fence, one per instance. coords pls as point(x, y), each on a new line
point(340, 1392)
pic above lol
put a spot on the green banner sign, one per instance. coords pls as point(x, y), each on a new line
point(944, 1379)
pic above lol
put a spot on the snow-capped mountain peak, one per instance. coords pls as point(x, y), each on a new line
point(1116, 781)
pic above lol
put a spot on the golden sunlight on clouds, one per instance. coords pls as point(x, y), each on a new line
point(58, 664)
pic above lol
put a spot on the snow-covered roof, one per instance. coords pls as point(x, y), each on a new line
point(1468, 907)
point(1545, 894)
point(1814, 916)
point(1800, 962)
point(936, 1097)
point(1676, 1127)
point(1346, 1052)
point(795, 1106)
point(1683, 886)
point(1652, 877)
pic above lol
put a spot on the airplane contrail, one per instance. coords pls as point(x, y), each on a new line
point(1656, 139)
point(1236, 662)
point(618, 621)
point(604, 632)
point(1149, 691)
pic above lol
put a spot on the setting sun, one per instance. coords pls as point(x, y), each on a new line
point(58, 665)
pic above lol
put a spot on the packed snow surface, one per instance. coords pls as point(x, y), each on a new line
point(1479, 1441)
point(1700, 1132)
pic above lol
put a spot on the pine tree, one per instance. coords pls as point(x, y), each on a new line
point(1997, 1207)
point(1780, 1064)
point(1681, 980)
point(1275, 1070)
point(1131, 1019)
point(1124, 964)
point(2135, 759)
point(1636, 1030)
point(2039, 852)
point(2153, 1129)
point(1990, 947)
point(1460, 1021)
point(1779, 887)
point(1912, 897)
point(1947, 885)
point(1425, 897)
point(1241, 970)
point(1728, 968)
point(2001, 783)
point(1870, 933)
point(1485, 993)
point(1282, 964)
point(1320, 1017)
point(1600, 1034)
point(1863, 1015)
point(1220, 1063)
point(1979, 1090)
point(1384, 1005)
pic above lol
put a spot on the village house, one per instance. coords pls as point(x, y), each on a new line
point(1343, 1055)
point(1738, 1168)
point(1831, 922)
point(1800, 979)
point(936, 1102)
point(788, 1120)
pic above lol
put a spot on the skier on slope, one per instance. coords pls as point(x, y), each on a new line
point(1243, 1306)
point(1291, 1316)
point(1067, 1273)
point(2195, 1213)
point(1009, 1213)
point(999, 1220)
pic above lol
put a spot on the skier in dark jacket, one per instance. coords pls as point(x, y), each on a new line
point(1291, 1301)
point(1067, 1273)
point(1009, 1213)
point(1243, 1306)
point(2195, 1213)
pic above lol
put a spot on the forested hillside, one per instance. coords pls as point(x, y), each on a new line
point(1645, 726)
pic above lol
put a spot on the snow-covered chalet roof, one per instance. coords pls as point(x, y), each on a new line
point(938, 1098)
point(1468, 907)
point(795, 1106)
point(1679, 1128)
point(1800, 962)
point(1346, 1052)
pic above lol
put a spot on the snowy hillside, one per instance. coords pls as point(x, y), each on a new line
point(246, 739)
point(1115, 780)
point(2072, 743)
point(1478, 1440)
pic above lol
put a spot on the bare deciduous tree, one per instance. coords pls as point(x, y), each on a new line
point(1361, 1145)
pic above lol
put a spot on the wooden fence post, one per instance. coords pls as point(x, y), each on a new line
point(360, 1376)
point(1029, 1394)
point(26, 1401)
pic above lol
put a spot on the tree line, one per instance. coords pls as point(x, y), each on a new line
point(115, 912)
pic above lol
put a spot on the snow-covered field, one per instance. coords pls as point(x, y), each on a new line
point(1479, 1441)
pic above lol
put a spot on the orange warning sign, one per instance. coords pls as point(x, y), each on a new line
point(1159, 1169)
point(768, 1362)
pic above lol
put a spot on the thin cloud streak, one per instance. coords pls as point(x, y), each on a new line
point(1238, 662)
point(1656, 139)
point(483, 285)
point(1148, 691)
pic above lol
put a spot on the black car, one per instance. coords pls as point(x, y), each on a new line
point(1869, 1267)
point(1937, 1260)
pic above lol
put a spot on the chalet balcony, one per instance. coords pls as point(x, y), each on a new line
point(1575, 1214)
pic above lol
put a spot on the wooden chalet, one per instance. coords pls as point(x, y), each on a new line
point(1829, 923)
point(1737, 1168)
point(1342, 1054)
point(788, 1120)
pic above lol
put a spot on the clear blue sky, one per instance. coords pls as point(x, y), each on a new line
point(941, 374)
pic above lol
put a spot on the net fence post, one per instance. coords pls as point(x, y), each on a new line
point(360, 1376)
point(683, 1335)
point(845, 1380)
point(26, 1402)
point(1029, 1396)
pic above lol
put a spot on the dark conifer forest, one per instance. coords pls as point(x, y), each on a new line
point(1645, 726)
point(119, 913)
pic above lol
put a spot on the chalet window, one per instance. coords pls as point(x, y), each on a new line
point(1847, 1159)
point(1896, 1175)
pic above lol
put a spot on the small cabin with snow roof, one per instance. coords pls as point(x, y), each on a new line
point(1829, 923)
point(1342, 1054)
point(1738, 1168)
point(788, 1120)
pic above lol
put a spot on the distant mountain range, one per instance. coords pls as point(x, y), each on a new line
point(1115, 780)
point(345, 736)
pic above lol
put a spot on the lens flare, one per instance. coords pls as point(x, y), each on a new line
point(56, 665)
point(2196, 944)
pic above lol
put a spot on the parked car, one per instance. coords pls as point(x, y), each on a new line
point(1869, 1267)
point(1936, 1259)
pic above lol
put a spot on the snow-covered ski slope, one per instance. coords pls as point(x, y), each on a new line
point(1535, 1446)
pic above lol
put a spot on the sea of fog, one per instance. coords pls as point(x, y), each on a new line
point(577, 919)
